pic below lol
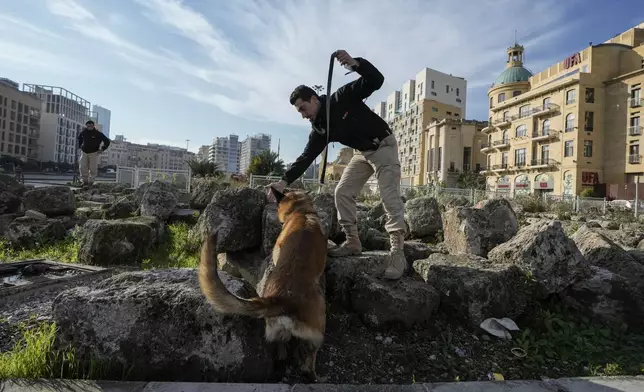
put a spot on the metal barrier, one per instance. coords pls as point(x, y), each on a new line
point(135, 176)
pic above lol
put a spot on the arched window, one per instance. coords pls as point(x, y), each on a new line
point(521, 130)
point(545, 127)
point(505, 137)
point(524, 111)
point(506, 115)
point(570, 122)
point(546, 103)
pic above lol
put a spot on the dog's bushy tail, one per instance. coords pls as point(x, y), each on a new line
point(224, 301)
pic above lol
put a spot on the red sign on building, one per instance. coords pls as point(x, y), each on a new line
point(573, 60)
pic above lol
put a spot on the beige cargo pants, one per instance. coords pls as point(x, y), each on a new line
point(89, 166)
point(385, 164)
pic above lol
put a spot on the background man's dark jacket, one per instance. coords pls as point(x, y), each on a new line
point(353, 123)
point(89, 141)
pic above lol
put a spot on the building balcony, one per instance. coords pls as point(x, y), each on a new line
point(540, 110)
point(502, 122)
point(485, 147)
point(634, 159)
point(500, 168)
point(503, 143)
point(635, 102)
point(519, 165)
point(635, 130)
point(34, 113)
point(544, 134)
point(34, 133)
point(543, 163)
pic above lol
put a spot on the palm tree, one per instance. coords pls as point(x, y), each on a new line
point(205, 168)
point(266, 163)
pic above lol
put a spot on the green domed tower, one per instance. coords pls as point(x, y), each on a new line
point(513, 80)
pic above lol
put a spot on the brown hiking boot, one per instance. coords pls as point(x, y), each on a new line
point(350, 247)
point(397, 261)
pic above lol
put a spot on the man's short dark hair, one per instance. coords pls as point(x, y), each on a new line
point(303, 92)
point(89, 122)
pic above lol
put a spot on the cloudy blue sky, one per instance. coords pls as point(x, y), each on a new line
point(172, 70)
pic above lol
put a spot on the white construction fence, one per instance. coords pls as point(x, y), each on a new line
point(135, 176)
point(458, 196)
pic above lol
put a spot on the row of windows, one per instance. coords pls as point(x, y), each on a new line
point(13, 149)
point(571, 98)
point(13, 138)
point(569, 151)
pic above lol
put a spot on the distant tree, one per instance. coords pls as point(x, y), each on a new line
point(266, 163)
point(471, 180)
point(205, 168)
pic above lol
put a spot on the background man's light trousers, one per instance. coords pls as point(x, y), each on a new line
point(386, 165)
point(89, 166)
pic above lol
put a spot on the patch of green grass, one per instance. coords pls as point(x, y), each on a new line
point(179, 249)
point(558, 338)
point(65, 251)
point(35, 356)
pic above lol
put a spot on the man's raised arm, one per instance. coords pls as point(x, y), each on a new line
point(369, 81)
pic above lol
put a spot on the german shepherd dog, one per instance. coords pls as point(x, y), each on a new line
point(292, 303)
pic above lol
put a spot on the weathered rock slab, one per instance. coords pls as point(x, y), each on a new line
point(545, 252)
point(51, 200)
point(473, 288)
point(157, 325)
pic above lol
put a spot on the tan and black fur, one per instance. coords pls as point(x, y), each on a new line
point(292, 303)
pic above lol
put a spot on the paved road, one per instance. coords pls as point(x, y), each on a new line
point(592, 384)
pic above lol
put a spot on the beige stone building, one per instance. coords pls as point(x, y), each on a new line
point(335, 169)
point(453, 146)
point(19, 122)
point(409, 128)
point(152, 156)
point(429, 97)
point(571, 126)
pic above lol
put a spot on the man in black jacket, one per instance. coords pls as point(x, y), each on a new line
point(355, 125)
point(89, 142)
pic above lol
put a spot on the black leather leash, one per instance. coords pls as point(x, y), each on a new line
point(328, 114)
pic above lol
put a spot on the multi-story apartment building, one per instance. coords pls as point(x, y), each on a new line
point(571, 126)
point(453, 147)
point(225, 152)
point(204, 153)
point(153, 156)
point(63, 115)
point(19, 122)
point(252, 146)
point(430, 97)
point(103, 118)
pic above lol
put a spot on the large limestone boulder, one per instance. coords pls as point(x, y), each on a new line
point(423, 216)
point(237, 215)
point(156, 325)
point(381, 303)
point(203, 190)
point(325, 206)
point(114, 242)
point(342, 273)
point(473, 288)
point(607, 297)
point(246, 264)
point(6, 219)
point(123, 207)
point(9, 202)
point(271, 228)
point(27, 232)
point(51, 200)
point(159, 200)
point(477, 231)
point(604, 253)
point(545, 252)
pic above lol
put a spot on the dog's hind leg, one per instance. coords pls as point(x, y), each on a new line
point(308, 362)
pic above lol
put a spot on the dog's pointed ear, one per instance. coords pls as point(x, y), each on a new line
point(278, 195)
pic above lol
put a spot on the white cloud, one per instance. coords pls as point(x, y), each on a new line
point(251, 64)
point(275, 47)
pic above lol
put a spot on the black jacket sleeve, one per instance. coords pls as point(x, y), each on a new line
point(313, 148)
point(106, 142)
point(370, 80)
